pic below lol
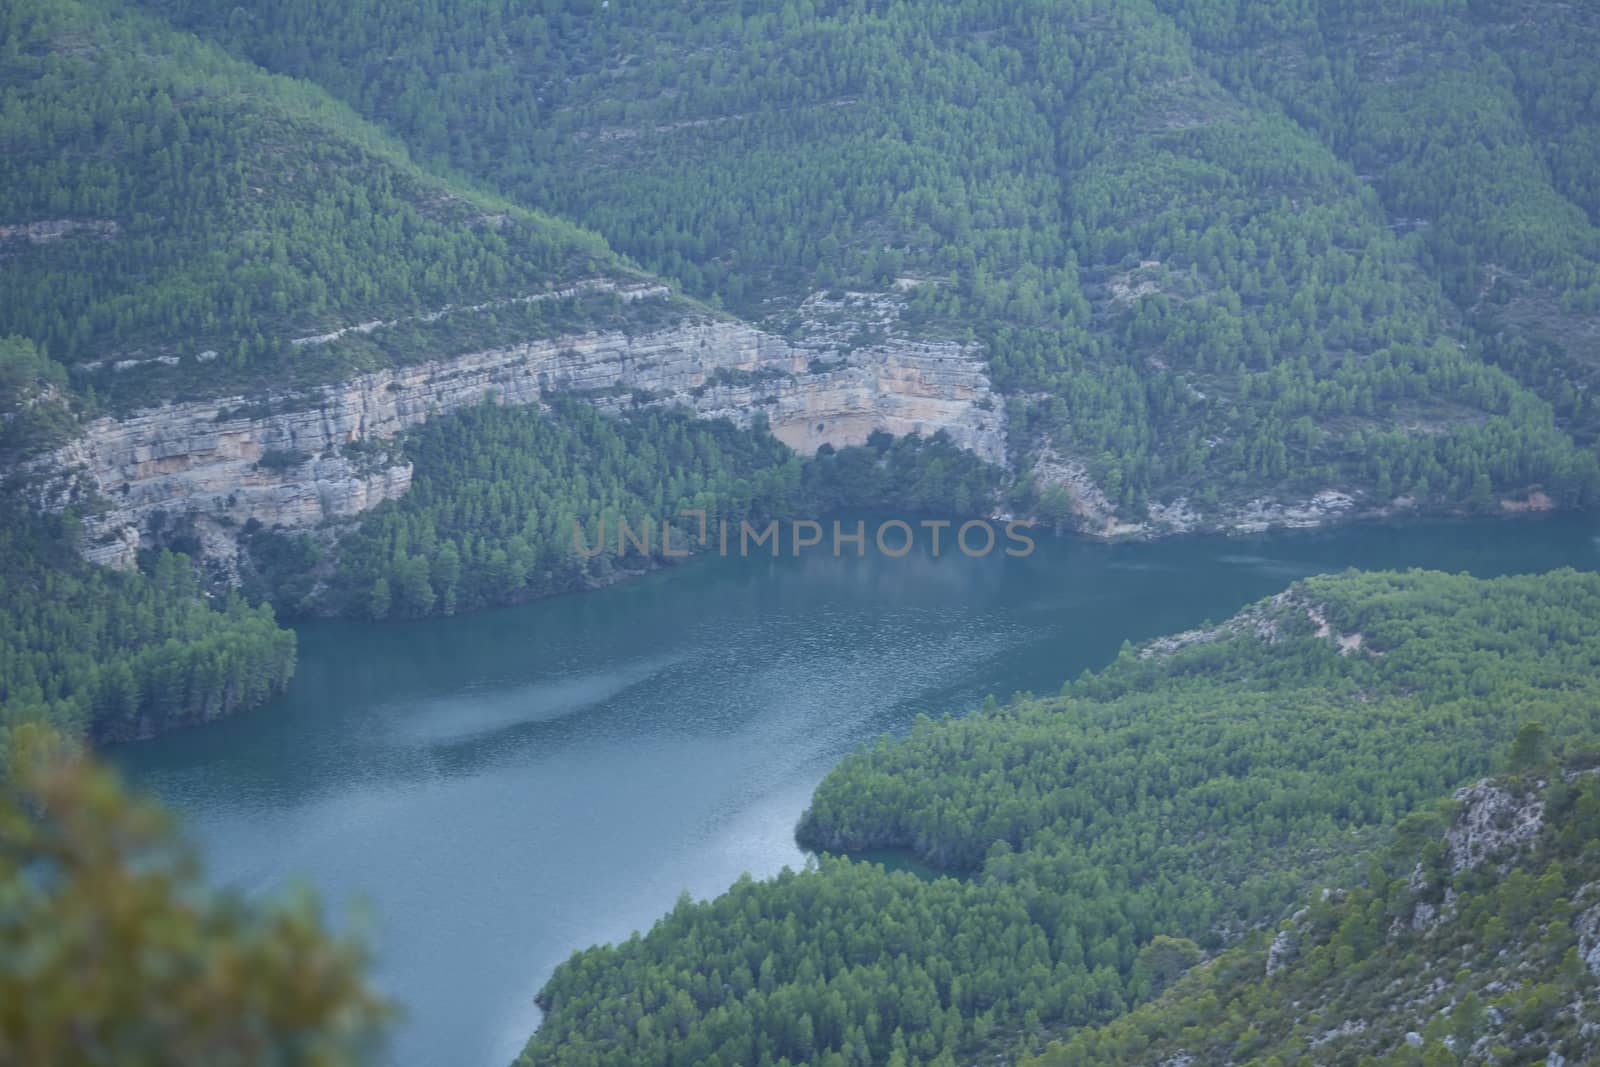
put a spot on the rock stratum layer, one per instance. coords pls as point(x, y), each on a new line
point(298, 461)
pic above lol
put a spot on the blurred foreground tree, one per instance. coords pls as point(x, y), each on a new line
point(112, 951)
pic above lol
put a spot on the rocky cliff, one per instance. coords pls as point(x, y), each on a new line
point(299, 461)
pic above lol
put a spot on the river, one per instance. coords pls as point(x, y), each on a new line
point(487, 794)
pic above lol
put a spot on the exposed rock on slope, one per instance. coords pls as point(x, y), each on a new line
point(298, 461)
point(1492, 821)
point(1487, 953)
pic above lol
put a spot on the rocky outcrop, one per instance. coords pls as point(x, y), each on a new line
point(1492, 820)
point(1587, 927)
point(1095, 515)
point(54, 229)
point(299, 461)
point(899, 387)
point(1281, 951)
point(1264, 621)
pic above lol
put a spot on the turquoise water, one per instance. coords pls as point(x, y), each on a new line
point(498, 790)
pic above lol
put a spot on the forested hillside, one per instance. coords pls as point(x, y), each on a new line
point(95, 652)
point(35, 401)
point(1193, 792)
point(1209, 259)
point(1213, 253)
point(119, 655)
point(1215, 250)
point(1476, 124)
point(1473, 945)
point(162, 202)
point(508, 505)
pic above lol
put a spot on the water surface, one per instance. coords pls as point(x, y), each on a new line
point(501, 789)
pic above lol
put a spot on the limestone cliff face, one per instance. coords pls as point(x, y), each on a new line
point(900, 387)
point(300, 462)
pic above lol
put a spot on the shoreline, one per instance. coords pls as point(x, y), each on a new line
point(1279, 517)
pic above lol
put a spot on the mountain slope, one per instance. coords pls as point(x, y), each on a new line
point(173, 210)
point(1475, 125)
point(1474, 945)
point(1190, 793)
point(116, 656)
point(1185, 246)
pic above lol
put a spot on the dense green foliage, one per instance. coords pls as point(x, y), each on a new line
point(1433, 651)
point(1221, 248)
point(1192, 792)
point(184, 202)
point(34, 405)
point(1475, 121)
point(114, 954)
point(122, 654)
point(1211, 251)
point(497, 492)
point(507, 504)
point(1496, 977)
